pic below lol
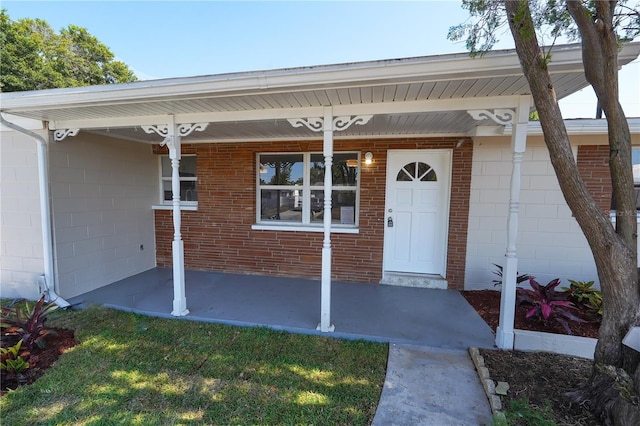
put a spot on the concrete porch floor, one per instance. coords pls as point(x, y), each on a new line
point(383, 313)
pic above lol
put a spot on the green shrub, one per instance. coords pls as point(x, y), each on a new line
point(11, 363)
point(585, 297)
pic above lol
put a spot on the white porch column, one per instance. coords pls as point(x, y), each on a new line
point(504, 333)
point(172, 139)
point(328, 124)
point(519, 120)
point(325, 297)
point(173, 142)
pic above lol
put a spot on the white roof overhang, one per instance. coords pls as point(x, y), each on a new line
point(410, 96)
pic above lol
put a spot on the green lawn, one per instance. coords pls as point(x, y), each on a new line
point(133, 369)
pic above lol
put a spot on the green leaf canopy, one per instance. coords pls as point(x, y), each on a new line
point(34, 57)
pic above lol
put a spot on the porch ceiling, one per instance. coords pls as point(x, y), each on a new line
point(411, 96)
point(380, 125)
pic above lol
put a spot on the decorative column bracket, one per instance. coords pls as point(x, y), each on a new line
point(316, 124)
point(62, 134)
point(500, 116)
point(184, 129)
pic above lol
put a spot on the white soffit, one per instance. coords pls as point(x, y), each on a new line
point(423, 95)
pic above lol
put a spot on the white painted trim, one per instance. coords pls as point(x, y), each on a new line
point(575, 126)
point(170, 177)
point(453, 66)
point(302, 228)
point(24, 123)
point(306, 190)
point(433, 105)
point(315, 138)
point(183, 207)
point(526, 340)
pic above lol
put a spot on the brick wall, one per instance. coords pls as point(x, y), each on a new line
point(218, 236)
point(593, 164)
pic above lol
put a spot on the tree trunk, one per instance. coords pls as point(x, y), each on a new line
point(615, 382)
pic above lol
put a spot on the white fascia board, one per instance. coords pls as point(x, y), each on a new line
point(112, 122)
point(167, 89)
point(209, 117)
point(492, 130)
point(579, 126)
point(286, 113)
point(337, 136)
point(443, 67)
point(25, 123)
point(449, 67)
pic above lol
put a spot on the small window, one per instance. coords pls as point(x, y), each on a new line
point(188, 179)
point(417, 171)
point(291, 188)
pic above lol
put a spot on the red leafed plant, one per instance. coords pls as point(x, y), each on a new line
point(28, 322)
point(547, 304)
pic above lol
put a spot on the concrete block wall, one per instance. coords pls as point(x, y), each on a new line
point(102, 191)
point(21, 254)
point(550, 243)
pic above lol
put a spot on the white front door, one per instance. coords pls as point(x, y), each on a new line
point(417, 211)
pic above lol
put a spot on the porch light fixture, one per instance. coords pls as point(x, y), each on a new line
point(368, 158)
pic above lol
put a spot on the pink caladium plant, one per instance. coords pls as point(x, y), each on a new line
point(548, 304)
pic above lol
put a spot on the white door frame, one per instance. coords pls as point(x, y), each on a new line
point(446, 197)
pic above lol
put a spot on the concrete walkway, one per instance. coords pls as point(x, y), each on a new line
point(430, 377)
point(431, 386)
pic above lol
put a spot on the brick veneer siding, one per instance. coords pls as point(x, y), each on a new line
point(593, 165)
point(218, 236)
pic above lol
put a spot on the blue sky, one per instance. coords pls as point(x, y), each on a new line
point(163, 39)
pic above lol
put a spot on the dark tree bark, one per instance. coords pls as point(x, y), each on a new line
point(615, 381)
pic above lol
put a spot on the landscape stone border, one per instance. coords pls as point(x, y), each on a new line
point(487, 384)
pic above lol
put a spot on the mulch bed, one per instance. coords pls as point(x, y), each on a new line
point(40, 359)
point(487, 304)
point(541, 378)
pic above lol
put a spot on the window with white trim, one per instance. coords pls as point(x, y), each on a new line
point(188, 180)
point(291, 188)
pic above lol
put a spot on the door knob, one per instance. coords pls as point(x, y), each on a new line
point(390, 222)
